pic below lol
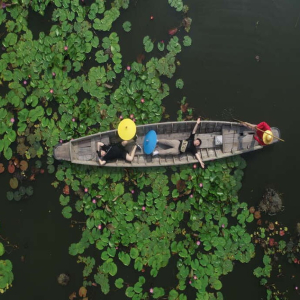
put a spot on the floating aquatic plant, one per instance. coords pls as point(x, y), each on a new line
point(127, 26)
point(179, 83)
point(148, 44)
point(187, 41)
point(177, 4)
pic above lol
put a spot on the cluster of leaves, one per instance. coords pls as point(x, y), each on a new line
point(6, 274)
point(42, 105)
point(137, 218)
point(177, 4)
point(279, 246)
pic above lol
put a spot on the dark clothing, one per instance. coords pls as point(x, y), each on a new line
point(262, 126)
point(113, 151)
point(190, 145)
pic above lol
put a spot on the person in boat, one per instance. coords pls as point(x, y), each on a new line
point(263, 133)
point(177, 147)
point(114, 151)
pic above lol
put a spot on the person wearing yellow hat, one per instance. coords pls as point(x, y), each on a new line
point(263, 133)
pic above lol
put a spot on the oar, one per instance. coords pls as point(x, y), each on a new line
point(276, 137)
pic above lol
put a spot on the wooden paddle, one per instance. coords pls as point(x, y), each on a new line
point(276, 137)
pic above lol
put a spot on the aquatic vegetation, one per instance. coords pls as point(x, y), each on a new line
point(127, 26)
point(177, 4)
point(53, 95)
point(148, 44)
point(279, 246)
point(159, 220)
point(179, 83)
point(6, 275)
point(187, 41)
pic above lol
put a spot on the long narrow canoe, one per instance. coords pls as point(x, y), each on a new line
point(236, 139)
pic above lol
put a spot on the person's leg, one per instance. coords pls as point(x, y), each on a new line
point(170, 143)
point(174, 147)
point(130, 156)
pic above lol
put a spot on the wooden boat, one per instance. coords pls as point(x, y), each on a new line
point(236, 139)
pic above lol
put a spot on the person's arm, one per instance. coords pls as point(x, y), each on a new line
point(200, 160)
point(102, 162)
point(249, 125)
point(196, 126)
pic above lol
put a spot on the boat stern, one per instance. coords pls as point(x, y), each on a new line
point(62, 152)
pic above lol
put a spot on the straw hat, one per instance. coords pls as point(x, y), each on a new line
point(268, 137)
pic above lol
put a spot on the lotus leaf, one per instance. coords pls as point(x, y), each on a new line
point(161, 46)
point(13, 182)
point(124, 258)
point(51, 169)
point(127, 26)
point(10, 195)
point(67, 212)
point(119, 283)
point(6, 275)
point(179, 83)
point(23, 165)
point(2, 249)
point(64, 200)
point(102, 280)
point(187, 41)
point(158, 292)
point(17, 196)
point(134, 253)
point(148, 44)
point(129, 292)
point(177, 4)
point(7, 153)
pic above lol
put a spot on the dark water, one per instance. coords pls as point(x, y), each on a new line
point(221, 78)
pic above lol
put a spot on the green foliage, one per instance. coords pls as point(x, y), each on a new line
point(44, 78)
point(67, 212)
point(177, 4)
point(266, 270)
point(206, 247)
point(148, 44)
point(127, 26)
point(161, 46)
point(2, 249)
point(187, 41)
point(179, 83)
point(6, 275)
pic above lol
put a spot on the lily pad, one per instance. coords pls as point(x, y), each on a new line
point(23, 165)
point(13, 182)
point(67, 212)
point(2, 249)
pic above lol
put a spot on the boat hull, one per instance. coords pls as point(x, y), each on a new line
point(236, 139)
